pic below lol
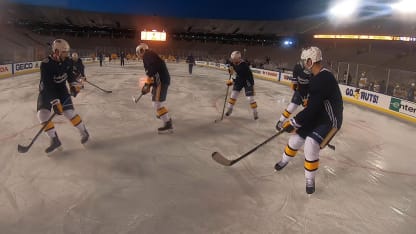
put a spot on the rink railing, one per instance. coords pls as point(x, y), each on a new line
point(14, 69)
point(380, 102)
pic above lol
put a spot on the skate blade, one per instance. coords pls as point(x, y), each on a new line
point(59, 149)
point(170, 131)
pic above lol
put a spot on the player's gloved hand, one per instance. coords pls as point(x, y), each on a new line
point(294, 86)
point(147, 84)
point(279, 125)
point(229, 82)
point(290, 125)
point(74, 88)
point(305, 102)
point(146, 89)
point(57, 106)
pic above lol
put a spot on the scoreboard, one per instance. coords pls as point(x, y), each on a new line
point(153, 36)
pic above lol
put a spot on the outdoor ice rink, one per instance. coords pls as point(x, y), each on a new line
point(129, 179)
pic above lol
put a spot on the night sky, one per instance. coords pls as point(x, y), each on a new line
point(238, 10)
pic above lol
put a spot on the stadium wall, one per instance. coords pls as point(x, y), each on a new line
point(393, 106)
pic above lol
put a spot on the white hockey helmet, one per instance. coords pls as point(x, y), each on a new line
point(235, 56)
point(313, 53)
point(61, 45)
point(75, 56)
point(140, 49)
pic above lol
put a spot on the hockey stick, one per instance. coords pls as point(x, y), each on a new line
point(24, 149)
point(135, 100)
point(106, 91)
point(225, 102)
point(219, 158)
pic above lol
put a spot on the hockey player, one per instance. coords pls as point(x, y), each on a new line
point(78, 66)
point(299, 85)
point(157, 78)
point(55, 71)
point(243, 79)
point(318, 122)
point(190, 60)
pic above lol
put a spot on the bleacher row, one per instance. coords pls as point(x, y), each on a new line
point(391, 61)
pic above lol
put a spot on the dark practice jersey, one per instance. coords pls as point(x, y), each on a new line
point(301, 78)
point(156, 67)
point(78, 67)
point(53, 77)
point(244, 74)
point(190, 59)
point(325, 105)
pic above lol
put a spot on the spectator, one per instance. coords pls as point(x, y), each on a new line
point(383, 86)
point(411, 92)
point(362, 83)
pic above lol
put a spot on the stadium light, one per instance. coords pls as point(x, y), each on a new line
point(404, 6)
point(344, 9)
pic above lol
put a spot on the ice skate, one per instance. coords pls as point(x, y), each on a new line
point(229, 111)
point(310, 186)
point(280, 165)
point(55, 144)
point(167, 128)
point(84, 137)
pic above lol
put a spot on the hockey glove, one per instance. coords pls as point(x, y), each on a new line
point(279, 125)
point(146, 89)
point(148, 82)
point(305, 102)
point(57, 106)
point(294, 86)
point(74, 88)
point(290, 125)
point(229, 82)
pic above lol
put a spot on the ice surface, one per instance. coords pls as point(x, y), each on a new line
point(129, 179)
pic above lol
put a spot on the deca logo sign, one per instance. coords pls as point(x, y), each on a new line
point(23, 66)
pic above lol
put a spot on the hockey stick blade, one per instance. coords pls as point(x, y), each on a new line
point(217, 120)
point(221, 159)
point(135, 100)
point(22, 149)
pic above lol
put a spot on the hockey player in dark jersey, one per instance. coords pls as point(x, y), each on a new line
point(55, 71)
point(299, 85)
point(243, 79)
point(78, 66)
point(157, 78)
point(318, 122)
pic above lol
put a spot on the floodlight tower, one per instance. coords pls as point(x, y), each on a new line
point(344, 10)
point(404, 7)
